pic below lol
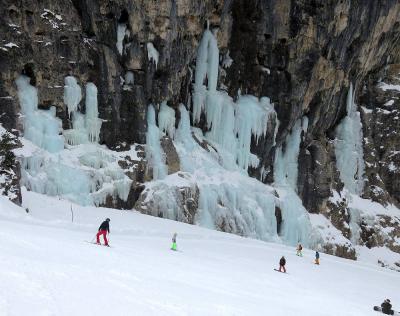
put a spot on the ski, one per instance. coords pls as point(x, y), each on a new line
point(176, 250)
point(379, 309)
point(280, 271)
point(95, 243)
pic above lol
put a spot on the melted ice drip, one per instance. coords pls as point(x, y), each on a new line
point(40, 126)
point(349, 148)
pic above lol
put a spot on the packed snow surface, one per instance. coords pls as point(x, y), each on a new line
point(47, 268)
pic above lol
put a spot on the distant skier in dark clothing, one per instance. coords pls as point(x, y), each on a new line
point(103, 229)
point(387, 307)
point(316, 257)
point(299, 249)
point(282, 264)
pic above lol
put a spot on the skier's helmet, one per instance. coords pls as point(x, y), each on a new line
point(107, 219)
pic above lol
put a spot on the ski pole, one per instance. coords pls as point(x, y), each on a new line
point(93, 238)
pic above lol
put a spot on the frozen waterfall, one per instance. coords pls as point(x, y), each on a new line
point(349, 148)
point(228, 199)
point(84, 174)
point(42, 127)
point(231, 124)
point(154, 152)
point(296, 225)
point(72, 94)
point(86, 127)
point(121, 30)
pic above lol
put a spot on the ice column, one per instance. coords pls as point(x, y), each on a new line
point(296, 226)
point(349, 148)
point(92, 121)
point(152, 53)
point(72, 94)
point(206, 67)
point(252, 118)
point(85, 127)
point(40, 126)
point(286, 160)
point(154, 152)
point(121, 29)
point(166, 119)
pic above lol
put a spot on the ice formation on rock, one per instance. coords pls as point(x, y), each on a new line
point(296, 225)
point(231, 124)
point(152, 53)
point(86, 127)
point(229, 200)
point(206, 67)
point(40, 126)
point(350, 161)
point(121, 29)
point(252, 116)
point(85, 174)
point(92, 121)
point(154, 153)
point(166, 119)
point(349, 148)
point(129, 78)
point(72, 94)
point(286, 160)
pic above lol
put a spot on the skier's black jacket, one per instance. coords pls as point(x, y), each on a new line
point(105, 226)
point(282, 262)
point(387, 308)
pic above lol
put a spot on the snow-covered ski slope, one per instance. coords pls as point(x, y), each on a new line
point(47, 268)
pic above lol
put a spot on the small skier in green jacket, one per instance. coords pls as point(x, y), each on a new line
point(174, 242)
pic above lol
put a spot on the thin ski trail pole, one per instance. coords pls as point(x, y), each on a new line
point(72, 214)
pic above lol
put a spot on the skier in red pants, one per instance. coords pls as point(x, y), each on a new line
point(103, 229)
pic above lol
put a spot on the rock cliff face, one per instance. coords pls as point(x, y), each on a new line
point(303, 55)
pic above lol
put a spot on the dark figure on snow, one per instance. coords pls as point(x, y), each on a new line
point(103, 229)
point(173, 247)
point(387, 307)
point(282, 264)
point(299, 249)
point(316, 257)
